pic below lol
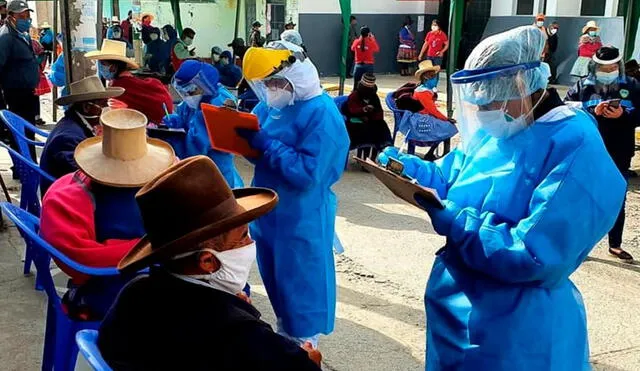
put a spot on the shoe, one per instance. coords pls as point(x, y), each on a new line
point(620, 254)
point(632, 174)
point(40, 122)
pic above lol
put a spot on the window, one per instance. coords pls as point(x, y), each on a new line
point(593, 8)
point(525, 7)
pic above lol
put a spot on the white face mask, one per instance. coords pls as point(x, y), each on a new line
point(435, 28)
point(193, 101)
point(279, 98)
point(216, 58)
point(116, 35)
point(500, 124)
point(235, 267)
point(154, 37)
point(188, 41)
point(540, 23)
point(607, 77)
point(554, 31)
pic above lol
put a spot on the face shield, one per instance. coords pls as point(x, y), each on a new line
point(497, 101)
point(276, 91)
point(194, 90)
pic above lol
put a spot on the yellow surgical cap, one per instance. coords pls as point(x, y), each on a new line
point(259, 63)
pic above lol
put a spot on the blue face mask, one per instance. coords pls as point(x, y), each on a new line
point(593, 33)
point(607, 78)
point(430, 84)
point(104, 72)
point(23, 25)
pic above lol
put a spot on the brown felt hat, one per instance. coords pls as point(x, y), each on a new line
point(188, 204)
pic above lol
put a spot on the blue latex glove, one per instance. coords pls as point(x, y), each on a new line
point(172, 121)
point(441, 219)
point(258, 140)
point(414, 167)
point(389, 152)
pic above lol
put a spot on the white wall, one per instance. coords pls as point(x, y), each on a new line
point(502, 8)
point(370, 7)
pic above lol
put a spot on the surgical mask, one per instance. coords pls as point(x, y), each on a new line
point(540, 23)
point(500, 124)
point(188, 41)
point(430, 84)
point(216, 58)
point(193, 101)
point(224, 61)
point(116, 35)
point(154, 37)
point(279, 98)
point(105, 72)
point(554, 31)
point(235, 267)
point(23, 25)
point(607, 77)
point(435, 28)
point(593, 33)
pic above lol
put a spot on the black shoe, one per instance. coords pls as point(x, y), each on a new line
point(620, 254)
point(40, 122)
point(632, 174)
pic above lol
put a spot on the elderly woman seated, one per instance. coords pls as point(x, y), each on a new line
point(365, 117)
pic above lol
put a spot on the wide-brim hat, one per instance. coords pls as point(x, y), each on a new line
point(607, 55)
point(201, 206)
point(590, 24)
point(123, 156)
point(45, 24)
point(147, 15)
point(112, 50)
point(88, 89)
point(426, 66)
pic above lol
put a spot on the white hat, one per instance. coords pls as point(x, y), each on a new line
point(112, 50)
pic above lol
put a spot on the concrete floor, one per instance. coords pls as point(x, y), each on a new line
point(389, 250)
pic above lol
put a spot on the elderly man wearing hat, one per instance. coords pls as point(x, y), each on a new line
point(146, 95)
point(189, 313)
point(91, 215)
point(613, 98)
point(365, 117)
point(85, 102)
point(19, 68)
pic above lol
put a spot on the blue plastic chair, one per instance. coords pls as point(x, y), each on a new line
point(18, 126)
point(87, 341)
point(397, 118)
point(29, 173)
point(60, 349)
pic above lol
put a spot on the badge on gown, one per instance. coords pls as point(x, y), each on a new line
point(624, 93)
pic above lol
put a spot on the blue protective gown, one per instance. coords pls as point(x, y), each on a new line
point(295, 241)
point(197, 140)
point(521, 216)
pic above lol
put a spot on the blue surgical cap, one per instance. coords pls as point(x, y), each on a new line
point(514, 47)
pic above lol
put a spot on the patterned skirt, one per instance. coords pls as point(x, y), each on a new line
point(581, 67)
point(407, 54)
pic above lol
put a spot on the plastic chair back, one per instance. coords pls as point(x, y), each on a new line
point(60, 349)
point(18, 127)
point(397, 113)
point(87, 341)
point(340, 101)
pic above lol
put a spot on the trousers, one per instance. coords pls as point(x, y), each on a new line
point(615, 234)
point(24, 103)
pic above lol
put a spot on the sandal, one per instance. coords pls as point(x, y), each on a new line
point(620, 254)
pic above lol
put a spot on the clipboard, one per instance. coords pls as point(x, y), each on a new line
point(165, 133)
point(222, 122)
point(400, 186)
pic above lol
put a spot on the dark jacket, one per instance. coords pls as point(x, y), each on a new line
point(553, 43)
point(618, 134)
point(230, 74)
point(160, 322)
point(18, 65)
point(57, 155)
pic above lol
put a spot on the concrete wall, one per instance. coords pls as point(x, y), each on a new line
point(321, 28)
point(612, 32)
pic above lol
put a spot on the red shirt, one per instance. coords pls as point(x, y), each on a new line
point(145, 95)
point(370, 47)
point(435, 41)
point(425, 97)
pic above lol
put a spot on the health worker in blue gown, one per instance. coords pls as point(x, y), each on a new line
point(526, 197)
point(303, 144)
point(197, 83)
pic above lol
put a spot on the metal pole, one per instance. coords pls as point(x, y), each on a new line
point(237, 30)
point(67, 42)
point(456, 17)
point(629, 29)
point(54, 91)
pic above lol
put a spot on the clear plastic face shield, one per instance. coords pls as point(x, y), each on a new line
point(192, 91)
point(496, 101)
point(276, 91)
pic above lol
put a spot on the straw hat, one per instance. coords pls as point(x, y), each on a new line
point(590, 24)
point(426, 66)
point(45, 24)
point(123, 156)
point(201, 205)
point(88, 89)
point(151, 16)
point(112, 50)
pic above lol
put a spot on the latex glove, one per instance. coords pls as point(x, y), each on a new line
point(171, 121)
point(441, 219)
point(389, 152)
point(258, 140)
point(613, 113)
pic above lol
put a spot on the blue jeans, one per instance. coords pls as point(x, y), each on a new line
point(437, 61)
point(359, 70)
